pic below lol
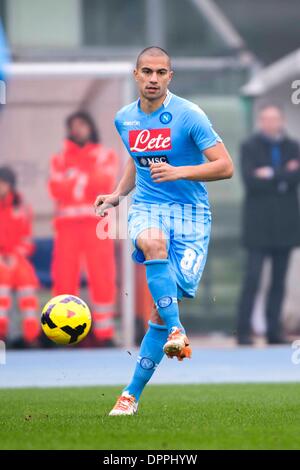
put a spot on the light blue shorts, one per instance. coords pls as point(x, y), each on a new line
point(187, 240)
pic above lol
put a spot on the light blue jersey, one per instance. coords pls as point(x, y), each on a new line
point(177, 133)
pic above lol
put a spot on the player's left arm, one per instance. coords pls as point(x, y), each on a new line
point(218, 167)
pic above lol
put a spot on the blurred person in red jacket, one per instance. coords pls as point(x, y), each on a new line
point(16, 272)
point(79, 172)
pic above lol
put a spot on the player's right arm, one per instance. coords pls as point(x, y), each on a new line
point(125, 186)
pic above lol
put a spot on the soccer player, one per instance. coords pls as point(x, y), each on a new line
point(168, 139)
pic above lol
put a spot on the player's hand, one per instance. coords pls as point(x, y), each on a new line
point(162, 172)
point(104, 202)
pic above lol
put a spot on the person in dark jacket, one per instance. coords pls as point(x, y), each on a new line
point(270, 164)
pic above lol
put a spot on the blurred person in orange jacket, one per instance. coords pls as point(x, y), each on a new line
point(16, 272)
point(79, 172)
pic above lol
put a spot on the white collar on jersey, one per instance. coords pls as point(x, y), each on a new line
point(165, 102)
point(167, 98)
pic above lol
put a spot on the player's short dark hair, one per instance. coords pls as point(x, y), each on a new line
point(153, 50)
point(87, 118)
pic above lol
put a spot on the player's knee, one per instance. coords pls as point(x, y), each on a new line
point(154, 249)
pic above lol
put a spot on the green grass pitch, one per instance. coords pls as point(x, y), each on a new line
point(243, 416)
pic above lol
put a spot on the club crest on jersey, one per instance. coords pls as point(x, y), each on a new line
point(150, 140)
point(147, 160)
point(165, 117)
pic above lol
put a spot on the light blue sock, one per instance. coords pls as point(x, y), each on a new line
point(150, 355)
point(163, 288)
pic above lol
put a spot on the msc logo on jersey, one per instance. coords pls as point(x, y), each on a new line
point(145, 161)
point(150, 140)
point(165, 117)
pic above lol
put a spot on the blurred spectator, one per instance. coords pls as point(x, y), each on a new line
point(16, 272)
point(270, 163)
point(82, 170)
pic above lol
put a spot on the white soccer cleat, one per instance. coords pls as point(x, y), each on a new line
point(177, 345)
point(126, 405)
